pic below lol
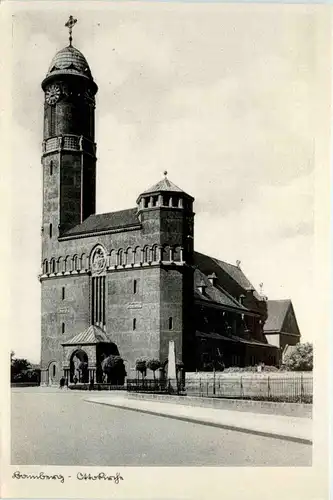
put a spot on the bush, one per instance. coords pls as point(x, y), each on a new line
point(141, 366)
point(153, 365)
point(114, 368)
point(301, 358)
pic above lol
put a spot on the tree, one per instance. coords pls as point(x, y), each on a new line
point(114, 368)
point(300, 358)
point(19, 369)
point(153, 365)
point(141, 366)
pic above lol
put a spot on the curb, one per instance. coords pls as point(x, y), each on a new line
point(210, 424)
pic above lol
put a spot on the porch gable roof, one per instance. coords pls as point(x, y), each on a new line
point(90, 336)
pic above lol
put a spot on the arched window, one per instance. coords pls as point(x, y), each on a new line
point(155, 201)
point(53, 370)
point(45, 266)
point(155, 253)
point(166, 200)
point(120, 258)
point(170, 323)
point(134, 323)
point(146, 254)
point(176, 254)
point(75, 263)
point(136, 255)
point(52, 266)
point(175, 201)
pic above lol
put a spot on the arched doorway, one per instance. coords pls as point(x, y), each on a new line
point(79, 367)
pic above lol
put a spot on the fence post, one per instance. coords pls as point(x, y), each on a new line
point(268, 388)
point(207, 388)
point(214, 383)
point(241, 387)
point(302, 388)
point(200, 386)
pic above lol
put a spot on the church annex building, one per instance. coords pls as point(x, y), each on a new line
point(128, 282)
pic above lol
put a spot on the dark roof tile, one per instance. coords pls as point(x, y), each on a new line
point(103, 222)
point(276, 310)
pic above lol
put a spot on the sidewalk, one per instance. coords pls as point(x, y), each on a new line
point(277, 426)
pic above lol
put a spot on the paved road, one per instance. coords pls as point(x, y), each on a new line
point(60, 428)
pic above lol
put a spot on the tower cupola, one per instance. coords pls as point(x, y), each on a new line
point(69, 148)
point(68, 61)
point(165, 194)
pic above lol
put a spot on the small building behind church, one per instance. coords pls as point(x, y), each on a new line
point(281, 327)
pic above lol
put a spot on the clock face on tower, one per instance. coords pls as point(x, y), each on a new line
point(52, 94)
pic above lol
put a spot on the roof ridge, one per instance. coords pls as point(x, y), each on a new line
point(279, 300)
point(219, 260)
point(114, 212)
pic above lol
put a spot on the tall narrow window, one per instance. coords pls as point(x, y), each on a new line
point(54, 370)
point(62, 327)
point(98, 301)
point(50, 230)
point(52, 126)
point(170, 323)
point(134, 286)
point(120, 258)
point(63, 293)
point(51, 167)
point(134, 323)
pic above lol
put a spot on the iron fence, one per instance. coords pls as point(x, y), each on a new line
point(289, 389)
point(148, 385)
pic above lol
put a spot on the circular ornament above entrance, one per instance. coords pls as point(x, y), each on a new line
point(98, 260)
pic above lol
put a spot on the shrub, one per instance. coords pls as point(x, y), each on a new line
point(301, 358)
point(141, 366)
point(114, 368)
point(153, 365)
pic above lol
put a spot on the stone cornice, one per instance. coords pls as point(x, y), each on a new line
point(99, 233)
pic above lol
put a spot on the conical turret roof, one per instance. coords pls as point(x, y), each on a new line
point(166, 186)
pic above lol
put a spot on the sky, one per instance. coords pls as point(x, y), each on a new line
point(220, 96)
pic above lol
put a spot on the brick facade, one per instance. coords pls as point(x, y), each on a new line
point(147, 296)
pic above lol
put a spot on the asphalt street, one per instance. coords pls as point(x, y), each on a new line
point(51, 427)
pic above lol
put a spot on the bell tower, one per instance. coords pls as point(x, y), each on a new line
point(69, 149)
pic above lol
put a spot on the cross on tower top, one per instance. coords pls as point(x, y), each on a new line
point(70, 24)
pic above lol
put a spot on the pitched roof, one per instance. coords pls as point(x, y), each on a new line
point(103, 222)
point(276, 310)
point(92, 335)
point(236, 273)
point(209, 265)
point(214, 293)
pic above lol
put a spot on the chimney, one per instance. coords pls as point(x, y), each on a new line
point(241, 299)
point(213, 279)
point(202, 287)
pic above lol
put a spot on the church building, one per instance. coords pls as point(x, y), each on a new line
point(128, 282)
